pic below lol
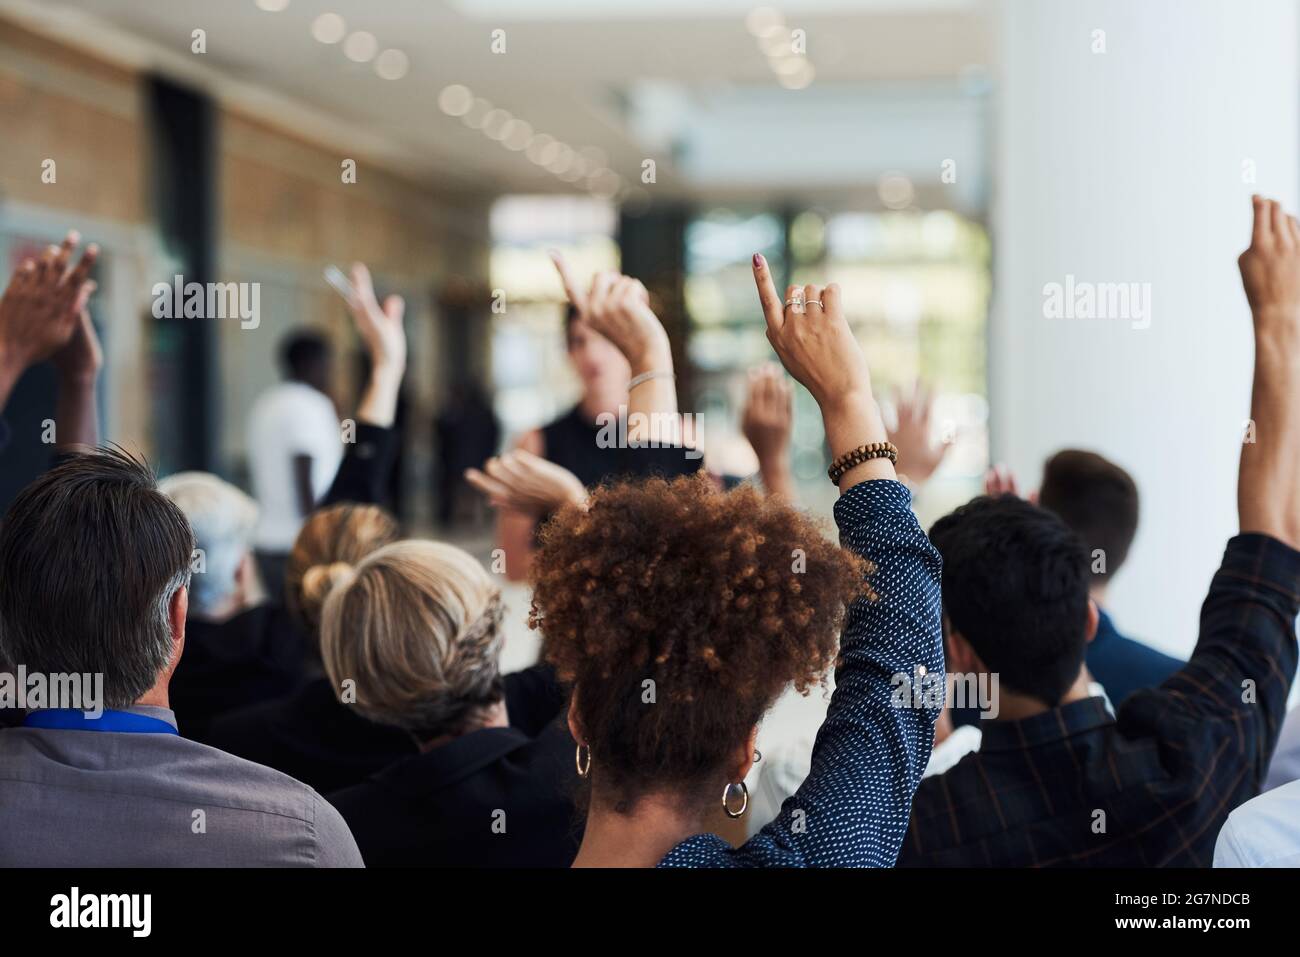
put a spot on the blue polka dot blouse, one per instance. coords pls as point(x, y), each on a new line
point(853, 808)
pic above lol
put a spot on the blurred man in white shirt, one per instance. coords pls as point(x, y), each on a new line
point(294, 449)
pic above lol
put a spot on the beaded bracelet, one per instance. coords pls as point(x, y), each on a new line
point(863, 453)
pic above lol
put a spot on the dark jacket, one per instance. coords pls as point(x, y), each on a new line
point(498, 797)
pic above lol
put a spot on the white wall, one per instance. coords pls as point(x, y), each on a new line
point(1127, 166)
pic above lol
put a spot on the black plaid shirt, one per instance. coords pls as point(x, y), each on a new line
point(1151, 786)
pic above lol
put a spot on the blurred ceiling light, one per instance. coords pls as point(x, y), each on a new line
point(780, 43)
point(563, 159)
point(520, 135)
point(764, 21)
point(605, 184)
point(392, 65)
point(360, 47)
point(455, 100)
point(329, 28)
point(272, 6)
point(800, 80)
point(573, 174)
point(595, 156)
point(496, 123)
point(895, 190)
point(789, 65)
point(537, 147)
point(477, 113)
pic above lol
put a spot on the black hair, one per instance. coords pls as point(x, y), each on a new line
point(301, 351)
point(1015, 586)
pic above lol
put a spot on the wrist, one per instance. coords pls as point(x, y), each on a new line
point(387, 373)
point(654, 359)
point(77, 378)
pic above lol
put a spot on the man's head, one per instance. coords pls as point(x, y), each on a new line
point(1015, 595)
point(94, 569)
point(305, 357)
point(1096, 498)
point(223, 519)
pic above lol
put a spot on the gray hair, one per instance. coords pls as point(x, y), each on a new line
point(91, 557)
point(223, 519)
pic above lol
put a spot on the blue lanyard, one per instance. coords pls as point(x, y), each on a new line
point(69, 719)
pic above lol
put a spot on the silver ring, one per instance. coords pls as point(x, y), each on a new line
point(814, 302)
point(791, 302)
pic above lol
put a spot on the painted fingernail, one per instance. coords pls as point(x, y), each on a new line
point(758, 261)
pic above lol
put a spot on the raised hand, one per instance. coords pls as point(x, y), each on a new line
point(1268, 487)
point(918, 455)
point(523, 482)
point(768, 419)
point(41, 308)
point(81, 357)
point(1000, 480)
point(813, 340)
point(380, 327)
point(618, 307)
point(815, 344)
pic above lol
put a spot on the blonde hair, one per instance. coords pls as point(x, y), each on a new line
point(331, 541)
point(416, 626)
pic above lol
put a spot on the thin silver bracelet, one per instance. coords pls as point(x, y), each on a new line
point(647, 376)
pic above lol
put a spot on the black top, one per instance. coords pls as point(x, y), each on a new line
point(255, 656)
point(576, 444)
point(570, 441)
point(498, 797)
point(311, 736)
point(1151, 786)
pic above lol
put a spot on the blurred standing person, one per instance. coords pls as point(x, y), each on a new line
point(294, 449)
point(570, 440)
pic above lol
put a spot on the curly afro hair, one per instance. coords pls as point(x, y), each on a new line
point(679, 613)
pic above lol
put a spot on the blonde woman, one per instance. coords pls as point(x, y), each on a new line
point(413, 636)
point(309, 735)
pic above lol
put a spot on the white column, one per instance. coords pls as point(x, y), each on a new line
point(1135, 165)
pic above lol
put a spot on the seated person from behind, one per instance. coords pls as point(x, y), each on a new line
point(1099, 500)
point(123, 789)
point(238, 651)
point(678, 614)
point(309, 734)
point(1057, 779)
point(413, 636)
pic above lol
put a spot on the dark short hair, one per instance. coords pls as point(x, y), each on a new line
point(302, 349)
point(1096, 498)
point(91, 554)
point(1015, 585)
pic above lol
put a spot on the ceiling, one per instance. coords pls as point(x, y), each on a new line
point(681, 82)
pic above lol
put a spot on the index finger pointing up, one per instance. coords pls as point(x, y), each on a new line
point(773, 310)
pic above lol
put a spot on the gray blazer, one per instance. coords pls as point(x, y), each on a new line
point(73, 798)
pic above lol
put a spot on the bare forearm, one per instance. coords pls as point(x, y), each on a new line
point(76, 413)
point(775, 473)
point(1268, 490)
point(851, 421)
point(10, 372)
point(378, 404)
point(652, 404)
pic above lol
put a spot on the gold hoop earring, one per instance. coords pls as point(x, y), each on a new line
point(744, 799)
point(584, 768)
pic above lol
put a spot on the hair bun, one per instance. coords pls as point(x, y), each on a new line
point(319, 580)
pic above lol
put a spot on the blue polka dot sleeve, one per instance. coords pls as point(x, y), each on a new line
point(853, 808)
